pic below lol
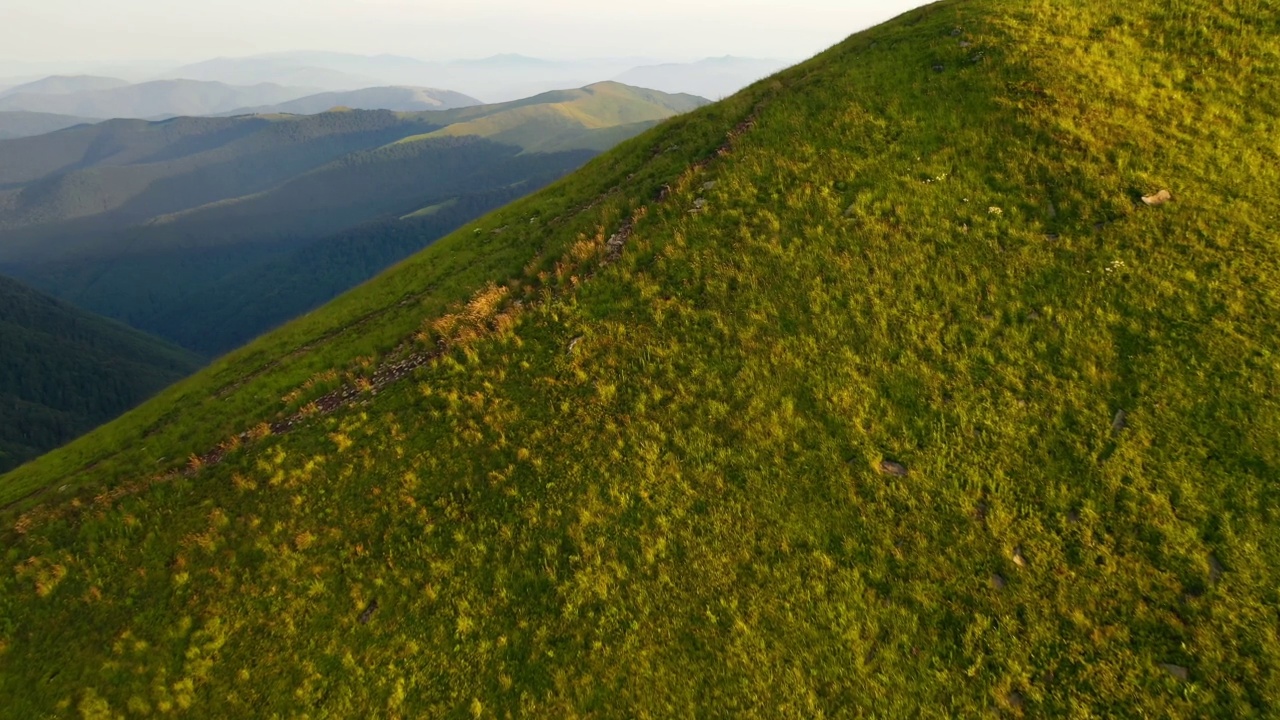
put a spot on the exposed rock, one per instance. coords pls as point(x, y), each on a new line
point(1016, 701)
point(1158, 199)
point(939, 68)
point(998, 582)
point(1121, 421)
point(1018, 558)
point(367, 615)
point(893, 469)
point(573, 344)
point(1215, 569)
point(710, 185)
point(1177, 671)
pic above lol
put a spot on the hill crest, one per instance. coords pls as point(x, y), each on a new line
point(875, 389)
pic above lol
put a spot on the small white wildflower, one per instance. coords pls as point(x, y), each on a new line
point(995, 210)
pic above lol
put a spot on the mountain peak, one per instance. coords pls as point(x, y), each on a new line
point(875, 389)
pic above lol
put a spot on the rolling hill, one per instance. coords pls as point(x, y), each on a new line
point(595, 117)
point(935, 376)
point(64, 372)
point(151, 100)
point(399, 99)
point(24, 124)
point(158, 224)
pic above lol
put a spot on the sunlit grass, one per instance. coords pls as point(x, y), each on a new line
point(831, 436)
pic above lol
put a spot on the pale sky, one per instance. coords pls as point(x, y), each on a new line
point(116, 31)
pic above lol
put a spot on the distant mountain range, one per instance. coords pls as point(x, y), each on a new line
point(493, 79)
point(712, 78)
point(276, 70)
point(64, 371)
point(169, 225)
point(20, 124)
point(65, 85)
point(400, 99)
point(314, 82)
point(151, 100)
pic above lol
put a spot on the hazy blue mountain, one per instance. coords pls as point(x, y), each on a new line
point(400, 99)
point(158, 99)
point(712, 78)
point(65, 85)
point(275, 70)
point(498, 78)
point(20, 124)
point(183, 228)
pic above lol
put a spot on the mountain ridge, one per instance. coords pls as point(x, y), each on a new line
point(143, 222)
point(21, 124)
point(65, 85)
point(876, 389)
point(399, 98)
point(152, 100)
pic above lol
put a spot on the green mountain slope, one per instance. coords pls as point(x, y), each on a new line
point(64, 371)
point(874, 390)
point(157, 224)
point(559, 120)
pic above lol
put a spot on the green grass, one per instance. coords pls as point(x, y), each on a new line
point(651, 487)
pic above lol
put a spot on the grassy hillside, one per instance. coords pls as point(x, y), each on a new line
point(159, 224)
point(64, 371)
point(24, 124)
point(875, 390)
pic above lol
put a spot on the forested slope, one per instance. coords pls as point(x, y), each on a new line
point(162, 225)
point(64, 371)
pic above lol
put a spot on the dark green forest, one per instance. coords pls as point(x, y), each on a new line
point(260, 298)
point(64, 371)
point(210, 231)
point(181, 285)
